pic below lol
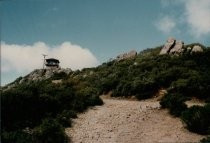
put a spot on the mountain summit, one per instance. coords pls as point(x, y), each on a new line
point(174, 47)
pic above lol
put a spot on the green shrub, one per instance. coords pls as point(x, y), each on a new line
point(205, 140)
point(107, 84)
point(90, 96)
point(197, 119)
point(15, 137)
point(65, 117)
point(94, 100)
point(61, 75)
point(142, 89)
point(175, 103)
point(31, 103)
point(50, 131)
point(124, 88)
point(145, 89)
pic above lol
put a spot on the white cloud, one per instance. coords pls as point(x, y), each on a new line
point(25, 58)
point(197, 14)
point(165, 24)
point(194, 15)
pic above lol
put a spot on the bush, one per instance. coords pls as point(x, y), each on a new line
point(145, 89)
point(50, 131)
point(175, 103)
point(65, 117)
point(124, 88)
point(94, 100)
point(166, 77)
point(61, 75)
point(90, 96)
point(197, 119)
point(142, 89)
point(107, 84)
point(15, 137)
point(31, 103)
point(206, 140)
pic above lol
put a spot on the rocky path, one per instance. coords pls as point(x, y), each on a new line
point(123, 121)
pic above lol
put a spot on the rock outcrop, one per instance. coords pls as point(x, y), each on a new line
point(178, 48)
point(174, 47)
point(42, 74)
point(38, 75)
point(128, 55)
point(168, 45)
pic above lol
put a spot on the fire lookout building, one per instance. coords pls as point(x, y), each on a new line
point(52, 63)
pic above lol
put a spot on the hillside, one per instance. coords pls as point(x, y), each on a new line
point(38, 110)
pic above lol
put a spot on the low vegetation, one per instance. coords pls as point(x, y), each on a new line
point(206, 140)
point(175, 103)
point(197, 119)
point(39, 111)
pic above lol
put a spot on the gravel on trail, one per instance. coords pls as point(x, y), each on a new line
point(126, 121)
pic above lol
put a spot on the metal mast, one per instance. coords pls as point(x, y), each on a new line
point(44, 60)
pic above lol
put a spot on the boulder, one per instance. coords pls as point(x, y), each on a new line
point(168, 45)
point(132, 53)
point(57, 81)
point(197, 49)
point(177, 49)
point(128, 55)
point(174, 47)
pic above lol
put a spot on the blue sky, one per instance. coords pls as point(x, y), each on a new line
point(96, 29)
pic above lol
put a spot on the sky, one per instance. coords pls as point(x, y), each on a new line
point(86, 33)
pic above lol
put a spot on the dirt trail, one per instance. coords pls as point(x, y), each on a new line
point(123, 121)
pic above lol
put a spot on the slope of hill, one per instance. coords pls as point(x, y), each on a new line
point(37, 110)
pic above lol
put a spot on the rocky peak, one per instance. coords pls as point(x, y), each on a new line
point(174, 47)
point(38, 75)
point(41, 74)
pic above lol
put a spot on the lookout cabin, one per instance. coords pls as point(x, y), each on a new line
point(52, 63)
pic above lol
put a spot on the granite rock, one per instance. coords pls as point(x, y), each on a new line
point(128, 55)
point(196, 49)
point(168, 45)
point(177, 49)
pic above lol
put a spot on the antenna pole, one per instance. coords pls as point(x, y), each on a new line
point(44, 60)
